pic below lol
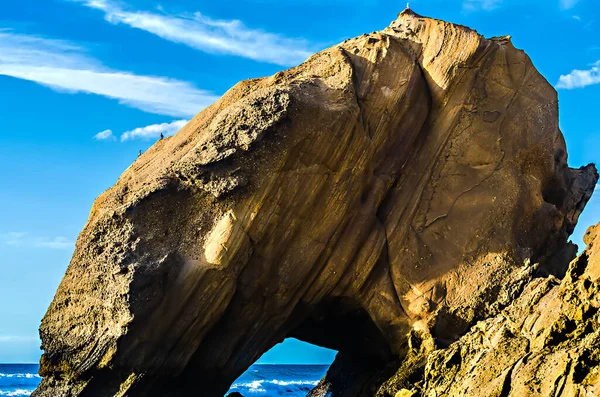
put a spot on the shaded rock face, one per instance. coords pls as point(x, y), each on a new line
point(378, 199)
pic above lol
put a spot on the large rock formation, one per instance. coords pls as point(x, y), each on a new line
point(378, 199)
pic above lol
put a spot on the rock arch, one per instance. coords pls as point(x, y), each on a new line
point(351, 201)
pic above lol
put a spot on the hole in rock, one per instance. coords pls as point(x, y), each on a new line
point(291, 369)
point(335, 328)
point(227, 362)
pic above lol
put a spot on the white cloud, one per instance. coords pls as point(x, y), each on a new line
point(18, 338)
point(568, 4)
point(211, 35)
point(487, 5)
point(580, 78)
point(54, 243)
point(12, 238)
point(154, 130)
point(64, 67)
point(20, 239)
point(104, 135)
point(577, 17)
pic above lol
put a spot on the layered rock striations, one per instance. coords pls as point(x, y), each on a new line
point(379, 199)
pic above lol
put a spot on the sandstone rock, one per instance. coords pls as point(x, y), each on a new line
point(546, 343)
point(406, 393)
point(378, 199)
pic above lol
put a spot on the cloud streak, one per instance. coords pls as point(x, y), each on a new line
point(568, 4)
point(18, 338)
point(12, 238)
point(104, 136)
point(215, 36)
point(64, 67)
point(487, 5)
point(580, 78)
point(54, 243)
point(24, 240)
point(153, 131)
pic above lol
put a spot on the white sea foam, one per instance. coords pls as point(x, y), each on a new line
point(28, 376)
point(15, 393)
point(257, 385)
point(294, 382)
point(253, 387)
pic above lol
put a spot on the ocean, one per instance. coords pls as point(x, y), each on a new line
point(18, 379)
point(278, 380)
point(259, 381)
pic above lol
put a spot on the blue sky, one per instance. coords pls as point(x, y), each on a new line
point(87, 83)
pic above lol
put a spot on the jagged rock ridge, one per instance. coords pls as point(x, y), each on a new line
point(544, 344)
point(349, 202)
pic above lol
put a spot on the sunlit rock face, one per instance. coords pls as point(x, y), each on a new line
point(378, 199)
point(546, 343)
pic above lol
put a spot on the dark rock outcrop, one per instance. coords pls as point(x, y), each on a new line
point(379, 199)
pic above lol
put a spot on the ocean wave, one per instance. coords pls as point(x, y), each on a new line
point(16, 393)
point(258, 386)
point(28, 376)
point(294, 382)
point(254, 386)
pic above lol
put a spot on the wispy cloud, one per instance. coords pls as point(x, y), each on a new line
point(104, 135)
point(154, 130)
point(64, 67)
point(12, 238)
point(20, 239)
point(580, 78)
point(568, 4)
point(54, 243)
point(596, 195)
point(211, 35)
point(487, 5)
point(18, 338)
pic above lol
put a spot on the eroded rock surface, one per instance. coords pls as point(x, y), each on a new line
point(546, 343)
point(378, 199)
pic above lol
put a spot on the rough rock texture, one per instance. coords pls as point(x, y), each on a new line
point(546, 343)
point(378, 199)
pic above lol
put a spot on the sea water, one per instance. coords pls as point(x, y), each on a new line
point(259, 381)
point(278, 380)
point(18, 379)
